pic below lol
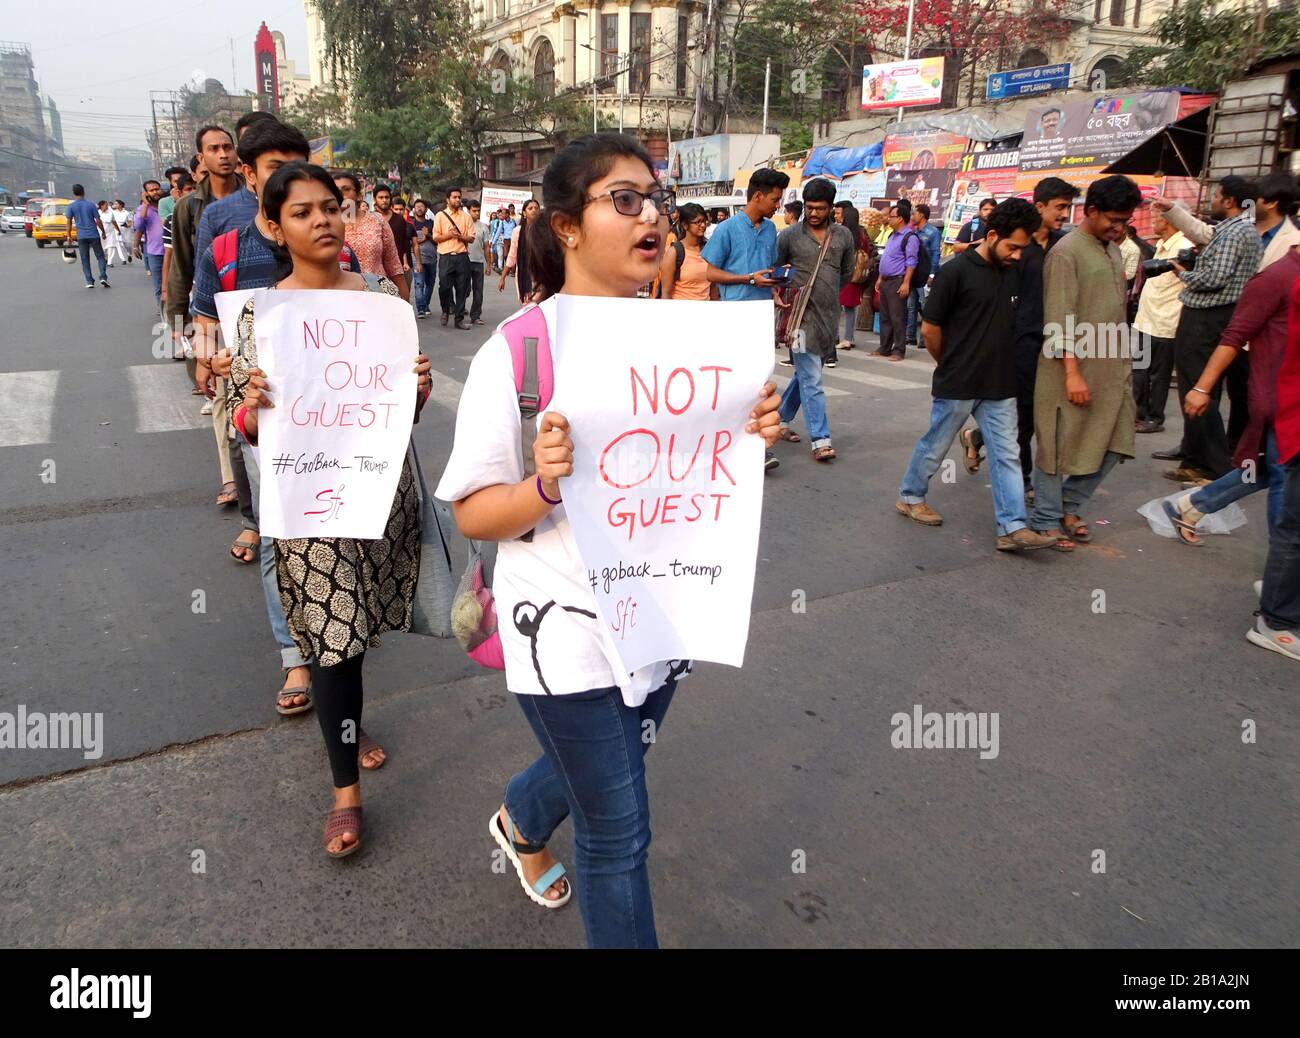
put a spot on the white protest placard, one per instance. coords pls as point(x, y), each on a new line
point(340, 370)
point(229, 306)
point(667, 489)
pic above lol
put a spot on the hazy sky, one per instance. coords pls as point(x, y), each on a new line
point(100, 62)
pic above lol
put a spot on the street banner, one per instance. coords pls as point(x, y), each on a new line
point(1017, 82)
point(931, 186)
point(339, 365)
point(924, 150)
point(901, 84)
point(667, 487)
point(494, 198)
point(986, 174)
point(1094, 131)
point(861, 188)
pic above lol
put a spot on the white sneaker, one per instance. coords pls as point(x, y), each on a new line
point(207, 408)
point(1285, 643)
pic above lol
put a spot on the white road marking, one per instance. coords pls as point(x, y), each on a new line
point(27, 406)
point(162, 398)
point(446, 390)
point(878, 381)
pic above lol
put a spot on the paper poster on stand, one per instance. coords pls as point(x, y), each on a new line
point(340, 371)
point(667, 490)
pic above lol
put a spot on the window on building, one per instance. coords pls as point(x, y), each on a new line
point(683, 33)
point(608, 44)
point(639, 76)
point(503, 8)
point(1031, 58)
point(1096, 11)
point(1137, 14)
point(1117, 11)
point(503, 165)
point(544, 68)
point(542, 157)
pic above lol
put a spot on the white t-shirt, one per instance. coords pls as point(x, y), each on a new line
point(539, 585)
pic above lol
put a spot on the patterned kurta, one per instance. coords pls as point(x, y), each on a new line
point(1083, 292)
point(371, 240)
point(340, 593)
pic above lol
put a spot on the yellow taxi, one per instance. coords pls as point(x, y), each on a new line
point(52, 224)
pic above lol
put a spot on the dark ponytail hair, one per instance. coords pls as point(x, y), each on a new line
point(564, 191)
point(276, 193)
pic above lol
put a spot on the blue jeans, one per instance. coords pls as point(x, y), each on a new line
point(915, 300)
point(290, 656)
point(997, 422)
point(850, 331)
point(424, 282)
point(1279, 602)
point(592, 767)
point(1234, 486)
point(1057, 495)
point(806, 388)
point(154, 265)
point(86, 246)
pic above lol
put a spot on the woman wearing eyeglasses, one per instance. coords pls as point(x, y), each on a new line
point(600, 233)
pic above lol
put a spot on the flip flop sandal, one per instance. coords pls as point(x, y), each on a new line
point(513, 848)
point(368, 745)
point(1072, 530)
point(339, 821)
point(790, 436)
point(824, 454)
point(242, 545)
point(227, 497)
point(1186, 531)
point(289, 693)
point(1062, 544)
point(972, 453)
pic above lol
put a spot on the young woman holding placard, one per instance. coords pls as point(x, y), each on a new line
point(339, 594)
point(600, 232)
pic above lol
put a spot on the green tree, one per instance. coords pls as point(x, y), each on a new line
point(321, 111)
point(1204, 48)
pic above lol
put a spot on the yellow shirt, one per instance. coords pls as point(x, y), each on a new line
point(445, 222)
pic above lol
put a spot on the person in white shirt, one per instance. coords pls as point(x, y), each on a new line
point(1157, 319)
point(602, 205)
point(121, 220)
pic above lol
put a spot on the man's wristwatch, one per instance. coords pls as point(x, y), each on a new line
point(753, 280)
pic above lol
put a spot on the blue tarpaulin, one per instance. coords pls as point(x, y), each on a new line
point(843, 162)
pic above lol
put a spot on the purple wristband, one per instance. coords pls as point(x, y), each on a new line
point(542, 493)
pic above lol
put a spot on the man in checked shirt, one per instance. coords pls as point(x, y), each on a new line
point(1209, 296)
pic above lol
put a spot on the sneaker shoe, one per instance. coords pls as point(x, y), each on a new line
point(104, 282)
point(90, 284)
point(787, 362)
point(920, 513)
point(1285, 643)
point(831, 363)
point(1025, 540)
point(206, 408)
point(1173, 454)
point(770, 461)
point(421, 315)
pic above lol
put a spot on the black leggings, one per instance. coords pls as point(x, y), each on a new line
point(336, 691)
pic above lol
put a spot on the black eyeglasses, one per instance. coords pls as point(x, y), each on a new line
point(630, 202)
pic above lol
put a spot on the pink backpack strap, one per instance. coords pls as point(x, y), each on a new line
point(530, 354)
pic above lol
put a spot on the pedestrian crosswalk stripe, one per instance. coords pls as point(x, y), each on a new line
point(878, 381)
point(162, 398)
point(26, 406)
point(445, 390)
point(781, 380)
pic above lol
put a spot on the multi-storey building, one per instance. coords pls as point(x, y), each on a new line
point(25, 155)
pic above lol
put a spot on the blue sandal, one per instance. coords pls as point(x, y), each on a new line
point(514, 848)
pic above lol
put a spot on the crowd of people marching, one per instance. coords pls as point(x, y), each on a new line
point(1017, 384)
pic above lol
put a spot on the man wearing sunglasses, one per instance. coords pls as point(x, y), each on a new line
point(741, 252)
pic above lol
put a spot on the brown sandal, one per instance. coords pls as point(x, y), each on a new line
point(790, 436)
point(288, 709)
point(339, 821)
point(1077, 530)
point(823, 454)
point(366, 745)
point(241, 545)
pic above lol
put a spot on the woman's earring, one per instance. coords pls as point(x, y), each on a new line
point(570, 239)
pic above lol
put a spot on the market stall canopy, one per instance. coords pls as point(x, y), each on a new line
point(1178, 149)
point(842, 162)
point(972, 126)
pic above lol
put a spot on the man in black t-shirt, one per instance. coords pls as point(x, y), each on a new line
point(967, 326)
point(973, 229)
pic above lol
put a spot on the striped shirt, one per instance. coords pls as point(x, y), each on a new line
point(1224, 265)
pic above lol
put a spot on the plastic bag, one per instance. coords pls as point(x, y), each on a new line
point(1225, 520)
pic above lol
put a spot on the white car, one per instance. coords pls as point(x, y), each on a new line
point(11, 220)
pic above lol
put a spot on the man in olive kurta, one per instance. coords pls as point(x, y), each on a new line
point(1083, 402)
